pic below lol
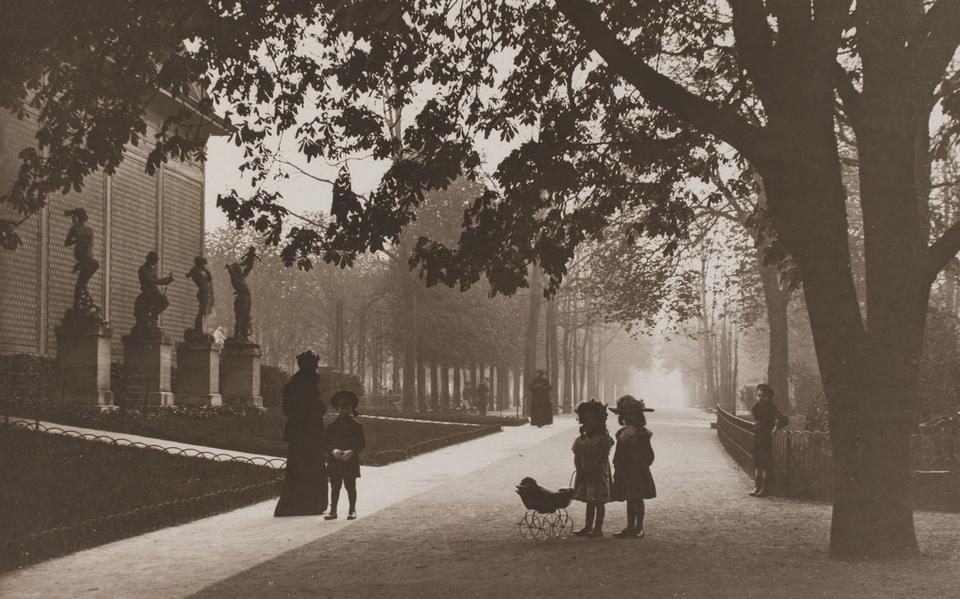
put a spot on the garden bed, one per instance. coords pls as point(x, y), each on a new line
point(250, 431)
point(61, 494)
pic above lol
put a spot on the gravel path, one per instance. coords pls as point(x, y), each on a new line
point(705, 538)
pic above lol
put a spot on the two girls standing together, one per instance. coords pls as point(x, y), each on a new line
point(631, 480)
point(315, 454)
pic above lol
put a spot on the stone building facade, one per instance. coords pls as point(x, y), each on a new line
point(131, 213)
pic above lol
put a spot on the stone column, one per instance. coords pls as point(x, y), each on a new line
point(83, 360)
point(147, 359)
point(240, 373)
point(198, 371)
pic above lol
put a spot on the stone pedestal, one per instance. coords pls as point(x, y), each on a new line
point(240, 374)
point(198, 372)
point(147, 358)
point(83, 360)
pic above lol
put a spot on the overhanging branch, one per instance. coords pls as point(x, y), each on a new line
point(658, 89)
point(943, 251)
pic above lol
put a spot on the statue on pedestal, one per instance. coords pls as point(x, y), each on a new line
point(80, 236)
point(243, 324)
point(204, 281)
point(151, 301)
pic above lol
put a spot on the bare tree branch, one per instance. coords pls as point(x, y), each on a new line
point(934, 43)
point(943, 251)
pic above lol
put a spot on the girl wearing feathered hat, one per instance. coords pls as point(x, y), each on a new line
point(345, 441)
point(632, 481)
point(591, 458)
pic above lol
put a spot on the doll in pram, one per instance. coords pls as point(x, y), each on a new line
point(546, 516)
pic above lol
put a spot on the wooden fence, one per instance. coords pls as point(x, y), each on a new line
point(803, 461)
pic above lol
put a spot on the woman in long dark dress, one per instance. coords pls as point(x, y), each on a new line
point(632, 480)
point(345, 441)
point(769, 420)
point(541, 410)
point(305, 482)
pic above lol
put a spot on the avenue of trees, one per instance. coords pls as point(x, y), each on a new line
point(613, 109)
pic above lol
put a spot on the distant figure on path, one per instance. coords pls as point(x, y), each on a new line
point(541, 410)
point(769, 420)
point(345, 441)
point(80, 236)
point(632, 480)
point(152, 301)
point(483, 398)
point(305, 482)
point(591, 458)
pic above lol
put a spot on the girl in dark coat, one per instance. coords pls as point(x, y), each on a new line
point(345, 441)
point(591, 458)
point(769, 420)
point(305, 480)
point(632, 480)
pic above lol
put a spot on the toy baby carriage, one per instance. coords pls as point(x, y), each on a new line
point(546, 516)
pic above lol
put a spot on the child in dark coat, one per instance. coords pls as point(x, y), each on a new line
point(632, 481)
point(591, 458)
point(345, 441)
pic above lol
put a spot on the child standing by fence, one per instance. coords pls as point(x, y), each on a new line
point(591, 457)
point(345, 441)
point(632, 481)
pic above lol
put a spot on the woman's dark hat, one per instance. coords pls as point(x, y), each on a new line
point(344, 398)
point(629, 403)
point(308, 359)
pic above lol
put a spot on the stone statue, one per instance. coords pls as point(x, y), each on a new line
point(204, 281)
point(242, 302)
point(80, 237)
point(151, 301)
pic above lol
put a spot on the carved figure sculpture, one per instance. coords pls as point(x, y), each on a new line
point(80, 236)
point(204, 281)
point(242, 322)
point(152, 301)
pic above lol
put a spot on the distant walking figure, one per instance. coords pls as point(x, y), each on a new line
point(483, 398)
point(591, 458)
point(541, 410)
point(345, 441)
point(632, 480)
point(305, 481)
point(769, 420)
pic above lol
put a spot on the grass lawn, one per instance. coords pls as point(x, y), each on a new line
point(52, 480)
point(264, 434)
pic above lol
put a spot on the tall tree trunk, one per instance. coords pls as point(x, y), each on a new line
point(409, 398)
point(778, 357)
point(457, 387)
point(533, 325)
point(870, 373)
point(434, 387)
point(567, 371)
point(445, 387)
point(421, 385)
point(592, 389)
point(552, 356)
point(518, 387)
point(503, 386)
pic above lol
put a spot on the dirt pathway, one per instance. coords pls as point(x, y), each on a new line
point(705, 538)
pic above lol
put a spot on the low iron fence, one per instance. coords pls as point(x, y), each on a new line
point(803, 461)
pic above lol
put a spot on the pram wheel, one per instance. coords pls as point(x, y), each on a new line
point(556, 525)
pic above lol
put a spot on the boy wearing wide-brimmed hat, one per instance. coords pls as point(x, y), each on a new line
point(632, 480)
